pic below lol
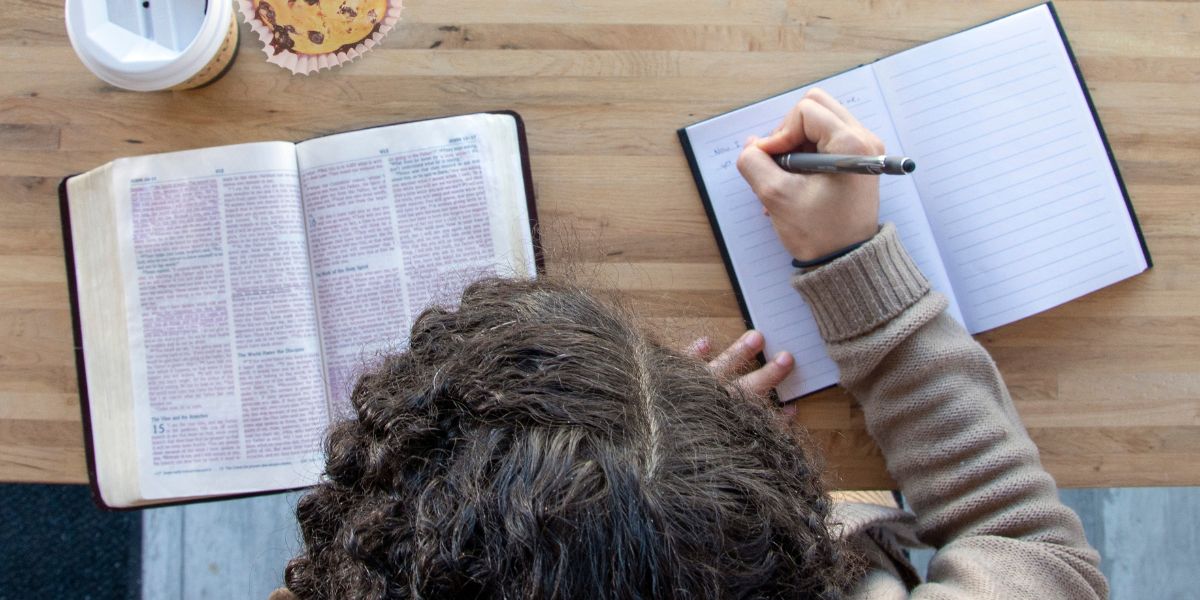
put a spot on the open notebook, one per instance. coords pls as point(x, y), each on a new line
point(1016, 205)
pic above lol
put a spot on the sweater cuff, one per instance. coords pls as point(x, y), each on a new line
point(861, 291)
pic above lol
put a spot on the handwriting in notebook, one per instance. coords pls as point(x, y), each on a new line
point(751, 241)
point(1015, 207)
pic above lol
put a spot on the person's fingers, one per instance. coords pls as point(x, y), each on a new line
point(824, 99)
point(738, 355)
point(808, 121)
point(788, 135)
point(852, 138)
point(788, 411)
point(769, 182)
point(862, 140)
point(699, 349)
point(765, 378)
point(821, 126)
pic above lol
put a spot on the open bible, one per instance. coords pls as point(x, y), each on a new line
point(1016, 205)
point(225, 298)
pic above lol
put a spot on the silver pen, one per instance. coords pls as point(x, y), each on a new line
point(812, 162)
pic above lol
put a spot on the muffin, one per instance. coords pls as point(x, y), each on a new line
point(308, 35)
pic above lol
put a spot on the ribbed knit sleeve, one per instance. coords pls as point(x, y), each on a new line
point(868, 287)
point(936, 405)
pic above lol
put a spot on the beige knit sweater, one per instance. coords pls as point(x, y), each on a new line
point(935, 404)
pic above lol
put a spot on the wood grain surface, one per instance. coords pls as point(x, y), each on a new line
point(1108, 385)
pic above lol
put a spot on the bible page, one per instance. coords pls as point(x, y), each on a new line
point(402, 217)
point(226, 365)
point(763, 266)
point(1011, 167)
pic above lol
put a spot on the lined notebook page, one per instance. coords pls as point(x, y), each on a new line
point(762, 265)
point(1012, 170)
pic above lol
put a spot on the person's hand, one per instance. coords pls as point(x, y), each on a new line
point(815, 214)
point(734, 360)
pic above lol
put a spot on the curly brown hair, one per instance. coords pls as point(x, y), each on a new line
point(535, 443)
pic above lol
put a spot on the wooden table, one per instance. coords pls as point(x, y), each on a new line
point(1108, 385)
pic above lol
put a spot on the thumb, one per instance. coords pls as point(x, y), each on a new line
point(782, 140)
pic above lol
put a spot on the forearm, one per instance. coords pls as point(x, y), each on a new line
point(937, 407)
point(939, 411)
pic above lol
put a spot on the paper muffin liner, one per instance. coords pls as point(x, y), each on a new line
point(303, 64)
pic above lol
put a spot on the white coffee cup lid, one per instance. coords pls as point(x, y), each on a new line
point(147, 45)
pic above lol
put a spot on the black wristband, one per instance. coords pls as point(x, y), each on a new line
point(828, 258)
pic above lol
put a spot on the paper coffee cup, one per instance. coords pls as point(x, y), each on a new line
point(149, 45)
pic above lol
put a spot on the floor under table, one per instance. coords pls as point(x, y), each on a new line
point(1149, 539)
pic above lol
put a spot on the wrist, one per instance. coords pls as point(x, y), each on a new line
point(822, 237)
point(825, 259)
